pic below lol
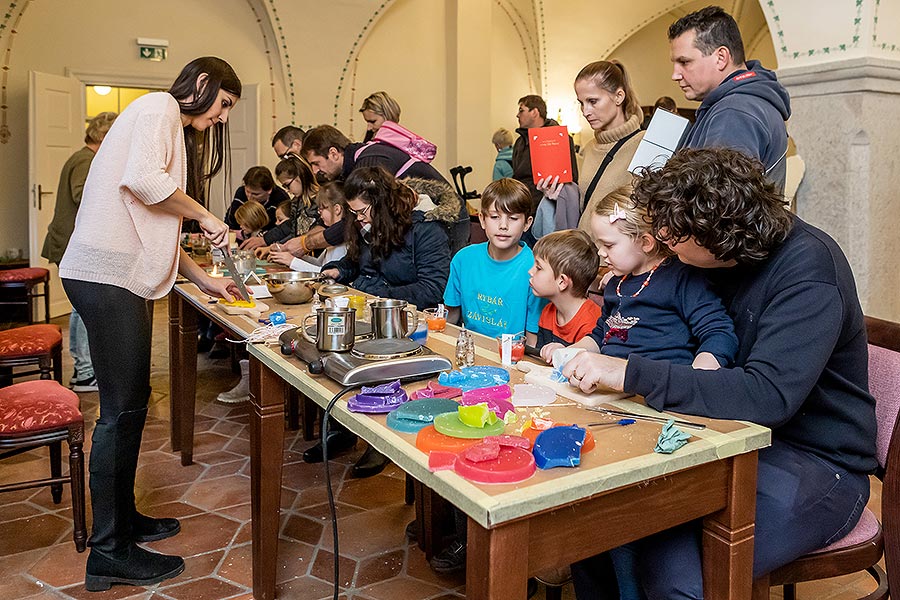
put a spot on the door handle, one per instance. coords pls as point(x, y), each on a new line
point(40, 194)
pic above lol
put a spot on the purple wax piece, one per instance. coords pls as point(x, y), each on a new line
point(364, 402)
point(382, 389)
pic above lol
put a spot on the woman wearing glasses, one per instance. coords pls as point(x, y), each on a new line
point(399, 248)
point(294, 177)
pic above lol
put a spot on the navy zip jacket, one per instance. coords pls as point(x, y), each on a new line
point(802, 363)
point(746, 112)
point(417, 272)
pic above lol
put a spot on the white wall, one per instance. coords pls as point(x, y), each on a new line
point(50, 40)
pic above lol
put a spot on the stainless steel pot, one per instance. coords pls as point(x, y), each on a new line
point(335, 329)
point(392, 319)
point(292, 287)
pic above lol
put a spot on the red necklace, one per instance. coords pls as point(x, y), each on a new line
point(643, 285)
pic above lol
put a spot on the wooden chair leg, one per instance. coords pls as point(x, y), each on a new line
point(47, 300)
point(56, 471)
point(57, 365)
point(76, 474)
point(45, 366)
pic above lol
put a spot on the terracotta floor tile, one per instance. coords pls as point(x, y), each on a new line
point(323, 568)
point(303, 529)
point(209, 442)
point(418, 567)
point(301, 476)
point(216, 457)
point(169, 471)
point(39, 531)
point(21, 562)
point(372, 532)
point(241, 512)
point(218, 493)
point(304, 588)
point(236, 566)
point(378, 568)
point(44, 497)
point(197, 567)
point(116, 592)
point(372, 492)
point(322, 511)
point(208, 588)
point(244, 534)
point(401, 587)
point(17, 586)
point(178, 510)
point(199, 534)
point(18, 510)
point(61, 567)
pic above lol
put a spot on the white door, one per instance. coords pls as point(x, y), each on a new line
point(56, 131)
point(243, 128)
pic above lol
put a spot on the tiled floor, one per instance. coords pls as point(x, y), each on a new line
point(38, 559)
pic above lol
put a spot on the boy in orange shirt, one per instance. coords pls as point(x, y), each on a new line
point(565, 265)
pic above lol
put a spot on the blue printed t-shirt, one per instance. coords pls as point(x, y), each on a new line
point(494, 296)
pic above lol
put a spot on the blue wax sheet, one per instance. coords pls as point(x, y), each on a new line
point(557, 375)
point(671, 439)
point(472, 378)
point(559, 447)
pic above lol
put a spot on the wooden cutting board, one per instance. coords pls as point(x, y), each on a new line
point(254, 312)
point(540, 375)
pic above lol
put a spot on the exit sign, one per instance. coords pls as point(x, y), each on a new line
point(153, 53)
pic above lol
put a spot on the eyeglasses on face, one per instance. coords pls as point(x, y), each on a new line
point(287, 184)
point(362, 212)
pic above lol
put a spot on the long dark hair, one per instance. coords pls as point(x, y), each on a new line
point(296, 168)
point(391, 203)
point(207, 151)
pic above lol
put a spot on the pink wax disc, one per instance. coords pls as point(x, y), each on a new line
point(511, 466)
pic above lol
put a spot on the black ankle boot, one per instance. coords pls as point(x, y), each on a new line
point(339, 440)
point(131, 565)
point(148, 529)
point(372, 462)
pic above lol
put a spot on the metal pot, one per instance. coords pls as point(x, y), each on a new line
point(335, 329)
point(392, 319)
point(292, 287)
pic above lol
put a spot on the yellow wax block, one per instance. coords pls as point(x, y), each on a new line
point(239, 303)
point(477, 415)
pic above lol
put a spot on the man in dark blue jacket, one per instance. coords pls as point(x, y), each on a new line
point(801, 367)
point(742, 104)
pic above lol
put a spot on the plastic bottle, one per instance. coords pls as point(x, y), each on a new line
point(316, 303)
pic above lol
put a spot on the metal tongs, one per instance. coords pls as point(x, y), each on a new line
point(639, 416)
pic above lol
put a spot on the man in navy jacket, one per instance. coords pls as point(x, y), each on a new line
point(801, 367)
point(742, 104)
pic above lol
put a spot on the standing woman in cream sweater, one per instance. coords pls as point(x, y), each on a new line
point(123, 254)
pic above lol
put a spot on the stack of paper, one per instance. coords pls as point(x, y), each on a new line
point(660, 141)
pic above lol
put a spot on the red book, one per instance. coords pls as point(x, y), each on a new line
point(550, 154)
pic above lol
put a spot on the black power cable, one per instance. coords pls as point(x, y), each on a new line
point(331, 508)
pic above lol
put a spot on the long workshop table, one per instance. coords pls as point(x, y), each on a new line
point(622, 491)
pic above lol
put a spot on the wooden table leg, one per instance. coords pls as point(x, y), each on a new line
point(434, 517)
point(267, 392)
point(497, 561)
point(184, 378)
point(175, 377)
point(728, 536)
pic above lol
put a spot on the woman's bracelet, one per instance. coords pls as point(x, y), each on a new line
point(303, 245)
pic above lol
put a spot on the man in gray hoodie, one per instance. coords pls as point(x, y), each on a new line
point(742, 104)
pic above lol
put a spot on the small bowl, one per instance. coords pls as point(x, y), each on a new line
point(292, 287)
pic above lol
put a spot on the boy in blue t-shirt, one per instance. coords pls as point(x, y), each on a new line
point(488, 289)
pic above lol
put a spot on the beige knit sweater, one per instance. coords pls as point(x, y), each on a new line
point(121, 237)
point(616, 173)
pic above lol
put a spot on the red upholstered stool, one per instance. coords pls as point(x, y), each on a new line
point(39, 345)
point(44, 413)
point(27, 279)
